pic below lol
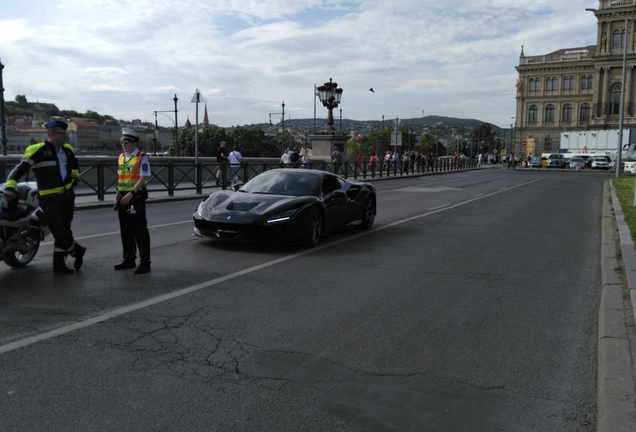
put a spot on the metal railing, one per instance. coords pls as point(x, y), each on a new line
point(99, 175)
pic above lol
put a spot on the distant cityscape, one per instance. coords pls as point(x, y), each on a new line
point(25, 126)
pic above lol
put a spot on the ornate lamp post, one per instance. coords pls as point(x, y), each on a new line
point(330, 96)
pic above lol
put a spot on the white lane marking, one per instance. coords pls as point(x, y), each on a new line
point(169, 296)
point(117, 232)
point(478, 195)
point(439, 207)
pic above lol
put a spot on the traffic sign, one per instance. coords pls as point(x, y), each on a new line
point(196, 98)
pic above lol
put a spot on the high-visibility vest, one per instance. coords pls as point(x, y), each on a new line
point(42, 159)
point(128, 172)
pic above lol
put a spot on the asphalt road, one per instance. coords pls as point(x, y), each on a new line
point(471, 306)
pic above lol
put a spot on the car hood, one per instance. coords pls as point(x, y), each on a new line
point(247, 207)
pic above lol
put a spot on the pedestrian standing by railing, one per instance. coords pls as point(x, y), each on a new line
point(235, 158)
point(373, 160)
point(221, 158)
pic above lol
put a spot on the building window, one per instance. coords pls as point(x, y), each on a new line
point(586, 82)
point(552, 84)
point(615, 99)
point(618, 38)
point(572, 82)
point(532, 114)
point(531, 87)
point(547, 144)
point(567, 113)
point(548, 84)
point(535, 84)
point(585, 112)
point(566, 83)
point(549, 113)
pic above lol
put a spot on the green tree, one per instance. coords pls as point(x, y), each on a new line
point(483, 138)
point(21, 100)
point(375, 142)
point(253, 142)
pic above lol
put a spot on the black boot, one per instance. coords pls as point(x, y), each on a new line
point(126, 263)
point(58, 263)
point(143, 267)
point(78, 254)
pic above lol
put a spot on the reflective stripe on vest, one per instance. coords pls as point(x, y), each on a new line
point(128, 172)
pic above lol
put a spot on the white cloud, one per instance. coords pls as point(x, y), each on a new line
point(128, 58)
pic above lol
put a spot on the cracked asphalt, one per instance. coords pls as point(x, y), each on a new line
point(473, 306)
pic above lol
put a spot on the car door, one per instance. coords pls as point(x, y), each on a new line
point(337, 203)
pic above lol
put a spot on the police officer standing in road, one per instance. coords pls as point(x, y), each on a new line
point(57, 172)
point(133, 171)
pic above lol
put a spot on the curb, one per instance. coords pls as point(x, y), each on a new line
point(616, 393)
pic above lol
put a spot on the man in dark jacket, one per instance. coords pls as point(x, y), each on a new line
point(57, 172)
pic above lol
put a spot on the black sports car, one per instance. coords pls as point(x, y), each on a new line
point(287, 206)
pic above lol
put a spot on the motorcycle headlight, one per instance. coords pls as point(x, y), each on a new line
point(281, 217)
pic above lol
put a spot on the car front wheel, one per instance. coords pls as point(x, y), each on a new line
point(314, 227)
point(368, 214)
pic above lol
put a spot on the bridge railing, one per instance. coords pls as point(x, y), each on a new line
point(99, 175)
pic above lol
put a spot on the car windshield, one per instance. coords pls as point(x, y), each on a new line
point(283, 183)
point(577, 159)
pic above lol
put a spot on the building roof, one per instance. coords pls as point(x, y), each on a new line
point(86, 124)
point(580, 50)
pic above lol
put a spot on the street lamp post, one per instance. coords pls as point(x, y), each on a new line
point(282, 140)
point(2, 122)
point(176, 127)
point(619, 149)
point(173, 121)
point(154, 140)
point(330, 95)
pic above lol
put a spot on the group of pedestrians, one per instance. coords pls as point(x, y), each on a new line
point(234, 158)
point(57, 173)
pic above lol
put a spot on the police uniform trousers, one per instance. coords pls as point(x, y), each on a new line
point(133, 228)
point(59, 210)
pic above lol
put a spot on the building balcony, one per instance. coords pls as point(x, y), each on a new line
point(565, 58)
point(608, 4)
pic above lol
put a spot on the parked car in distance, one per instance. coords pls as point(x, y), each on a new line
point(556, 160)
point(600, 162)
point(577, 163)
point(535, 162)
point(588, 160)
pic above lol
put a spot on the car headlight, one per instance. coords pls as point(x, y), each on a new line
point(201, 208)
point(281, 217)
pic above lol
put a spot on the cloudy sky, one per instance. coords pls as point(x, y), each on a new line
point(129, 58)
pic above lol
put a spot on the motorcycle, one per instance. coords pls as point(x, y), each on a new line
point(22, 225)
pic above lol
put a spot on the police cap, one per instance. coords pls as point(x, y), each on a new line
point(56, 124)
point(129, 134)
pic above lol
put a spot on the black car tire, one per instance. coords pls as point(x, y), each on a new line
point(368, 214)
point(314, 227)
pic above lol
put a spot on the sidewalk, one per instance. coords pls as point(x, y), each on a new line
point(616, 372)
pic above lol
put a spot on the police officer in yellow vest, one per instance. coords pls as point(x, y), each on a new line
point(133, 172)
point(57, 172)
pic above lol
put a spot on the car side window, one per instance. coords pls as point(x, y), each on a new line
point(331, 184)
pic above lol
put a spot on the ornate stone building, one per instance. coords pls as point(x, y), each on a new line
point(578, 89)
